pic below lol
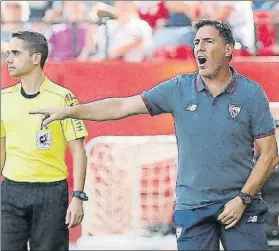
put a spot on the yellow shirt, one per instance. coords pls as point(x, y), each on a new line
point(35, 155)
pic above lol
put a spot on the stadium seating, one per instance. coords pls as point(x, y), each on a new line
point(265, 29)
point(179, 52)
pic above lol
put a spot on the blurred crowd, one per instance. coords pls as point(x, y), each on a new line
point(135, 31)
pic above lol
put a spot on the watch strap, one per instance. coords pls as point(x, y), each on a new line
point(246, 198)
point(81, 195)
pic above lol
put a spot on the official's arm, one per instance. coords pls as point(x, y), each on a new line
point(79, 163)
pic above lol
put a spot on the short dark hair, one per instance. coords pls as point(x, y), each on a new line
point(223, 28)
point(36, 43)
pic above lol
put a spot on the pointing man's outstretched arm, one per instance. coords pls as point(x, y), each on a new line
point(100, 110)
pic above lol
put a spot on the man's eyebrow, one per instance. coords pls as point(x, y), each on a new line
point(205, 38)
point(208, 38)
point(14, 51)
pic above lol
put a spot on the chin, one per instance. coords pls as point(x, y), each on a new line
point(205, 72)
point(12, 74)
point(15, 74)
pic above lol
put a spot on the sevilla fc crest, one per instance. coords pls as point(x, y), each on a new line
point(234, 110)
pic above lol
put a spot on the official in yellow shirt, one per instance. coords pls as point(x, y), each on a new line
point(34, 194)
point(36, 155)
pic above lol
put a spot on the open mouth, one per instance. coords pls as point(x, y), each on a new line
point(201, 60)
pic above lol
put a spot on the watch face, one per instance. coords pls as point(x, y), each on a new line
point(247, 200)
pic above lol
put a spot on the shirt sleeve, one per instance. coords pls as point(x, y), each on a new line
point(262, 121)
point(3, 131)
point(73, 128)
point(161, 98)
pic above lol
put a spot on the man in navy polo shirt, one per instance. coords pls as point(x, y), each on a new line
point(218, 116)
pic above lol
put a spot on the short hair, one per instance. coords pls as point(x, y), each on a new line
point(36, 43)
point(223, 28)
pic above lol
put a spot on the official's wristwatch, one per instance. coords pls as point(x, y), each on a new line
point(246, 198)
point(81, 195)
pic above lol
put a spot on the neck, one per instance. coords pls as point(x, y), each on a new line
point(31, 83)
point(221, 79)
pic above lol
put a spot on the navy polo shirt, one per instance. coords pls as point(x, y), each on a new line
point(215, 136)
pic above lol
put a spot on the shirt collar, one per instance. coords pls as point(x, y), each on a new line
point(29, 96)
point(230, 88)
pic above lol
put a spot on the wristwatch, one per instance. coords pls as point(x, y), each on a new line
point(246, 198)
point(81, 195)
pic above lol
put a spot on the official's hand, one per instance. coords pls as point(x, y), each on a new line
point(233, 211)
point(74, 213)
point(50, 115)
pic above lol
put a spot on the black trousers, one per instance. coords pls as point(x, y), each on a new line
point(34, 212)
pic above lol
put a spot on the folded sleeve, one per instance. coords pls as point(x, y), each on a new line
point(73, 128)
point(262, 123)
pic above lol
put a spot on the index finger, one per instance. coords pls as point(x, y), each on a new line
point(222, 214)
point(40, 111)
point(232, 224)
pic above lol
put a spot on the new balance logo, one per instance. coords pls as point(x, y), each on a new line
point(252, 219)
point(191, 107)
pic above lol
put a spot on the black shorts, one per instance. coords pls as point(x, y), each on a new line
point(34, 212)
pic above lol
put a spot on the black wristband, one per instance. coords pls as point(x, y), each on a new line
point(81, 195)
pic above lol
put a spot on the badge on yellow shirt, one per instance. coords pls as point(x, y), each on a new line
point(43, 139)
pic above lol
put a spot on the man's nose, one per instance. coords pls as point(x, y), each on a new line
point(201, 46)
point(9, 59)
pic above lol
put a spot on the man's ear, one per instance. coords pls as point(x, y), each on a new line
point(229, 50)
point(36, 57)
